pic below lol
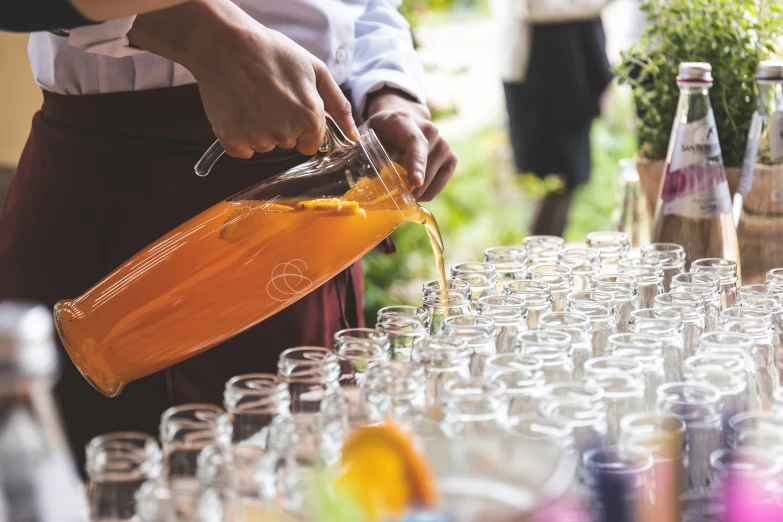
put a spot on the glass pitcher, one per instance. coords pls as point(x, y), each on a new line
point(236, 263)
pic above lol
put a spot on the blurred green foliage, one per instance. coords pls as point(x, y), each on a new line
point(487, 204)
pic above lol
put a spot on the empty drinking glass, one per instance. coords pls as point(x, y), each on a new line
point(648, 272)
point(474, 407)
point(355, 355)
point(666, 325)
point(117, 465)
point(581, 405)
point(757, 323)
point(542, 249)
point(510, 264)
point(532, 427)
point(403, 332)
point(728, 373)
point(775, 277)
point(708, 287)
point(510, 315)
point(185, 431)
point(404, 312)
point(585, 263)
point(536, 294)
point(523, 376)
point(350, 405)
point(699, 406)
point(662, 434)
point(481, 335)
point(299, 445)
point(395, 386)
point(579, 327)
point(761, 467)
point(694, 318)
point(482, 278)
point(560, 280)
point(599, 307)
point(444, 358)
point(726, 270)
point(252, 401)
point(646, 350)
point(361, 335)
point(311, 374)
point(613, 246)
point(230, 485)
point(741, 345)
point(671, 255)
point(623, 394)
point(625, 290)
point(159, 501)
point(553, 349)
point(761, 429)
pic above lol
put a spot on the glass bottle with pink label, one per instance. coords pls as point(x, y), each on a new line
point(695, 208)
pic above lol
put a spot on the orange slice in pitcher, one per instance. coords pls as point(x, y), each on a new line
point(384, 473)
point(339, 206)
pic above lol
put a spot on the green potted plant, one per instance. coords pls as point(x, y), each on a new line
point(733, 36)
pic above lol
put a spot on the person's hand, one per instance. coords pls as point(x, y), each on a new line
point(260, 89)
point(404, 128)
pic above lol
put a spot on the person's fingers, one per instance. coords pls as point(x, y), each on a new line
point(310, 141)
point(438, 154)
point(335, 103)
point(237, 150)
point(416, 149)
point(442, 176)
point(264, 147)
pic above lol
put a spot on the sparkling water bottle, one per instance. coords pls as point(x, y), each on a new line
point(694, 209)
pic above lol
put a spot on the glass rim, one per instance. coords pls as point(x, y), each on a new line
point(711, 394)
point(628, 423)
point(550, 336)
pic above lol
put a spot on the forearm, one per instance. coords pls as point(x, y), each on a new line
point(100, 10)
point(187, 33)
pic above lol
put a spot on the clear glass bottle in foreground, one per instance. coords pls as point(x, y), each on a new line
point(695, 209)
point(38, 478)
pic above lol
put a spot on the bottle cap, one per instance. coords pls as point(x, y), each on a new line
point(770, 70)
point(695, 72)
point(26, 342)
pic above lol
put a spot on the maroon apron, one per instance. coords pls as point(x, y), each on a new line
point(102, 176)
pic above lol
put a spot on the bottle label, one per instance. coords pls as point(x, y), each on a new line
point(695, 185)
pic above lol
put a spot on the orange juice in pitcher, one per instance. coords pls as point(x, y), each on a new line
point(237, 263)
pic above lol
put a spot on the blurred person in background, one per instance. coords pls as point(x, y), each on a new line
point(46, 15)
point(131, 105)
point(555, 72)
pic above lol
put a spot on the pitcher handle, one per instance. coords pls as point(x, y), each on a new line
point(334, 138)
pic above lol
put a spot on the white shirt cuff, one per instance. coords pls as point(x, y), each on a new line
point(377, 79)
point(109, 38)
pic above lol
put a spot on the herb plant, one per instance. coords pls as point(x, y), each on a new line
point(732, 35)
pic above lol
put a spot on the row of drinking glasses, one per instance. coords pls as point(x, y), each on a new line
point(518, 350)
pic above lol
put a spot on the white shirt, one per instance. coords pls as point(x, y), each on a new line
point(366, 44)
point(516, 17)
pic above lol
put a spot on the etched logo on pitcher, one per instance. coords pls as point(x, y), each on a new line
point(288, 282)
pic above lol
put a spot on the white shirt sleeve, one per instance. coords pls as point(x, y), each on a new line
point(109, 38)
point(384, 55)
